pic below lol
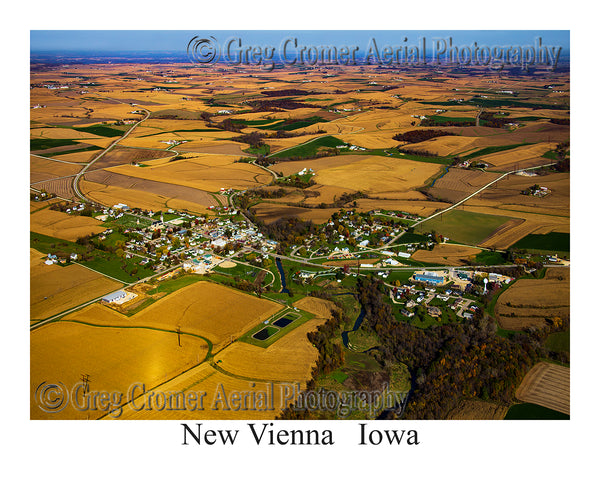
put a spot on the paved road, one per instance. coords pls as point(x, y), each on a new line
point(108, 149)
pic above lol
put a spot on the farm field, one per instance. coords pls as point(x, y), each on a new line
point(209, 310)
point(143, 188)
point(463, 226)
point(459, 183)
point(477, 410)
point(218, 386)
point(61, 352)
point(55, 289)
point(217, 150)
point(446, 254)
point(547, 385)
point(378, 174)
point(290, 359)
point(527, 302)
point(62, 225)
point(202, 172)
point(271, 212)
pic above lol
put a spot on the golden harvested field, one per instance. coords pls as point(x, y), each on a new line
point(125, 156)
point(62, 225)
point(271, 212)
point(423, 208)
point(62, 133)
point(548, 385)
point(520, 157)
point(477, 410)
point(289, 359)
point(63, 351)
point(374, 174)
point(55, 289)
point(62, 187)
point(318, 164)
point(507, 194)
point(201, 173)
point(515, 229)
point(446, 254)
point(208, 387)
point(41, 169)
point(531, 302)
point(207, 309)
point(317, 306)
point(164, 192)
point(443, 146)
point(459, 183)
point(111, 195)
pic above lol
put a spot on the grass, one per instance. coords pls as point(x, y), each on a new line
point(559, 342)
point(101, 130)
point(309, 149)
point(174, 284)
point(339, 376)
point(393, 153)
point(263, 150)
point(549, 242)
point(464, 227)
point(300, 317)
point(530, 411)
point(103, 262)
point(361, 361)
point(45, 143)
point(490, 258)
point(128, 221)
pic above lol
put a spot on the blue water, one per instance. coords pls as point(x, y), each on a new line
point(284, 288)
point(356, 326)
point(445, 172)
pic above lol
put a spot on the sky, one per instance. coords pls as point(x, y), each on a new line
point(107, 41)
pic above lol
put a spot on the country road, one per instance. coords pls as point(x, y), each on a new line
point(108, 149)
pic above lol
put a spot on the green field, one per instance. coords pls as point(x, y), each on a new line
point(125, 270)
point(549, 242)
point(530, 411)
point(101, 130)
point(463, 227)
point(91, 148)
point(490, 258)
point(174, 284)
point(309, 149)
point(559, 342)
point(45, 143)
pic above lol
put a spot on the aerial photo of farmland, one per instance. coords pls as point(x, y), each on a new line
point(308, 241)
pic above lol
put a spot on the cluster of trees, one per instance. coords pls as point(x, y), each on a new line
point(416, 136)
point(278, 105)
point(564, 162)
point(448, 362)
point(492, 121)
point(331, 357)
point(254, 139)
point(561, 121)
point(263, 193)
point(326, 152)
point(289, 231)
point(289, 92)
point(419, 153)
point(87, 211)
point(295, 181)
